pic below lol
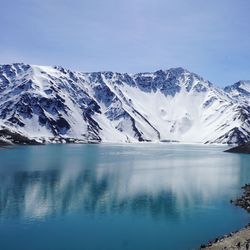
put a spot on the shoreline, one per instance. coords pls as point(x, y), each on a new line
point(239, 239)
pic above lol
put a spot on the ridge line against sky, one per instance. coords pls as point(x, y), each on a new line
point(210, 38)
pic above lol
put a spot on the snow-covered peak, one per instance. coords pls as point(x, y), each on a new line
point(171, 81)
point(240, 90)
point(242, 85)
point(51, 103)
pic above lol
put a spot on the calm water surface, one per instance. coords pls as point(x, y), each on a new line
point(116, 197)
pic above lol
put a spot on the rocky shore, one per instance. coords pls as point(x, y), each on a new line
point(239, 240)
point(236, 240)
point(244, 200)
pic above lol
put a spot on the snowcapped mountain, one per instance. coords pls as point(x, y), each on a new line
point(240, 90)
point(53, 104)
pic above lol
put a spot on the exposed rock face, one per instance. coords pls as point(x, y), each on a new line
point(42, 103)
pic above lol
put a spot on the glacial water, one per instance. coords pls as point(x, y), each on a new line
point(112, 197)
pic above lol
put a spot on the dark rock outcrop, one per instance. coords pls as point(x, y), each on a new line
point(8, 137)
point(244, 149)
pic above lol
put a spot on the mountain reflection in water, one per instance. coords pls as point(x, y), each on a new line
point(132, 180)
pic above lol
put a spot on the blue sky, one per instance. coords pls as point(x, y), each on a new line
point(211, 38)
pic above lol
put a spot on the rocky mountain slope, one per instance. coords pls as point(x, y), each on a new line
point(53, 104)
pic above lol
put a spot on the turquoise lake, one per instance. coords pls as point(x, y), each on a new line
point(112, 197)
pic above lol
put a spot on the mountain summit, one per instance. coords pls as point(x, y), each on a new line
point(240, 90)
point(54, 104)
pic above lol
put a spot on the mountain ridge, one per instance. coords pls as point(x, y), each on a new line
point(54, 104)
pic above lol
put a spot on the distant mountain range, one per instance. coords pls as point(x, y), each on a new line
point(41, 104)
